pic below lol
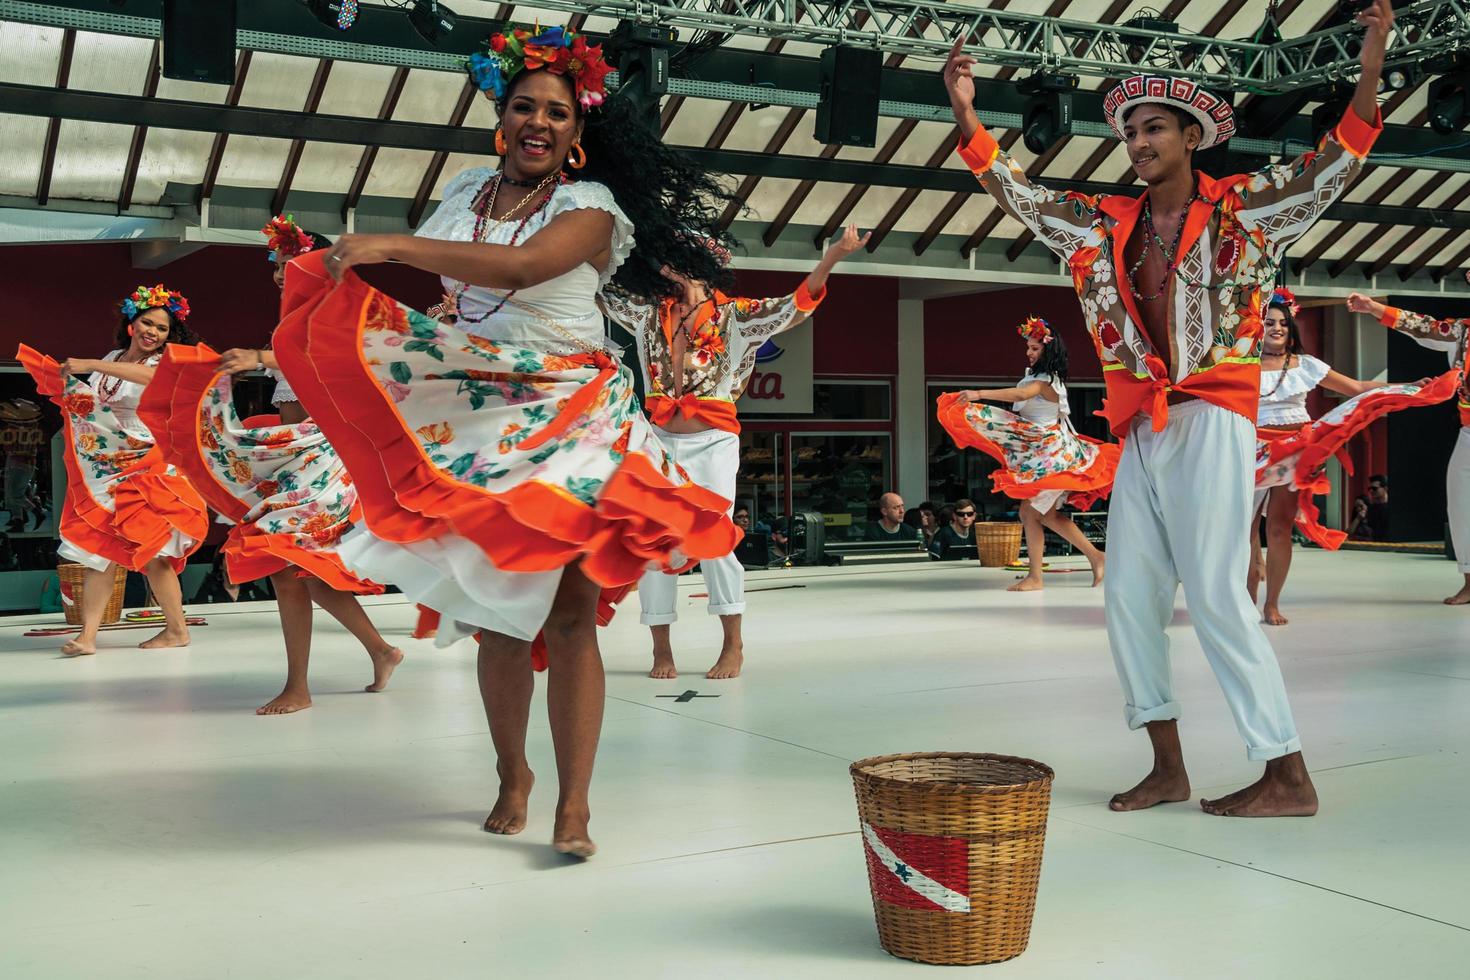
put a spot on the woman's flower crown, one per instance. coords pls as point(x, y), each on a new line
point(558, 50)
point(147, 298)
point(1283, 297)
point(1035, 328)
point(285, 237)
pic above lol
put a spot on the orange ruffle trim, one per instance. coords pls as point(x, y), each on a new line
point(1315, 444)
point(171, 407)
point(147, 507)
point(640, 516)
point(1085, 487)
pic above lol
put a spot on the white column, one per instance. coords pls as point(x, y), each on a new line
point(911, 404)
point(1358, 347)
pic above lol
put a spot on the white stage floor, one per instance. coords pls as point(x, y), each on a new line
point(152, 826)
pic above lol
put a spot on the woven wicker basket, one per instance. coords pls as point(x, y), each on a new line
point(953, 842)
point(999, 543)
point(71, 593)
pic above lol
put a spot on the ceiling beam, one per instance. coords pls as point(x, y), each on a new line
point(1435, 249)
point(1453, 265)
point(795, 200)
point(53, 128)
point(773, 145)
point(1408, 238)
point(140, 134)
point(222, 136)
point(1375, 234)
point(900, 207)
point(370, 154)
point(298, 146)
point(436, 162)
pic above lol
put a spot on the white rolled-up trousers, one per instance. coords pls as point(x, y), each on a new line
point(1179, 514)
point(712, 460)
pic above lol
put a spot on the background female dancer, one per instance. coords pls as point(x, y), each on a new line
point(124, 506)
point(281, 483)
point(1291, 448)
point(1044, 461)
point(697, 351)
point(510, 480)
point(1450, 336)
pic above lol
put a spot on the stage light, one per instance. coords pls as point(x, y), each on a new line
point(432, 20)
point(1047, 116)
point(337, 14)
point(1448, 104)
point(1398, 79)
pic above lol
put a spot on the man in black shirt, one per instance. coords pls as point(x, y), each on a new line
point(890, 525)
point(1378, 507)
point(956, 539)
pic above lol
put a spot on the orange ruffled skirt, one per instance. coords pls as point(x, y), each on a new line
point(1040, 463)
point(283, 486)
point(483, 470)
point(123, 504)
point(1296, 458)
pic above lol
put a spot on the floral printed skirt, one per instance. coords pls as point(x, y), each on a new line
point(124, 504)
point(283, 486)
point(1295, 458)
point(1043, 464)
point(483, 470)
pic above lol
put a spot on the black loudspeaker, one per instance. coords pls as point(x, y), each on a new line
point(199, 40)
point(847, 114)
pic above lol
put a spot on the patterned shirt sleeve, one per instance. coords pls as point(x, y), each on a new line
point(628, 313)
point(1285, 200)
point(1442, 335)
point(757, 320)
point(1065, 222)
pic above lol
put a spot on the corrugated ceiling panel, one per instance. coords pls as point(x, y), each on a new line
point(110, 63)
point(352, 90)
point(90, 158)
point(29, 55)
point(170, 155)
point(397, 173)
point(277, 81)
point(20, 156)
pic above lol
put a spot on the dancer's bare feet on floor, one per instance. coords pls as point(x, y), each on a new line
point(1098, 565)
point(663, 666)
point(384, 663)
point(168, 638)
point(1030, 583)
point(1157, 787)
point(1460, 598)
point(508, 816)
point(570, 835)
point(77, 648)
point(1271, 615)
point(289, 701)
point(1285, 790)
point(728, 665)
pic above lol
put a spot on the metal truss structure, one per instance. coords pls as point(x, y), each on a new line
point(927, 28)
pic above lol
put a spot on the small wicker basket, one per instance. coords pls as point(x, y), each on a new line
point(999, 543)
point(72, 577)
point(953, 842)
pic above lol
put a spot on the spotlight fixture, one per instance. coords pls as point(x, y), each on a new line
point(1449, 104)
point(1047, 116)
point(337, 14)
point(432, 20)
point(1399, 78)
point(1335, 98)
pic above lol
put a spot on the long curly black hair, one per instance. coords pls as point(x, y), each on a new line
point(674, 205)
point(1053, 359)
point(178, 331)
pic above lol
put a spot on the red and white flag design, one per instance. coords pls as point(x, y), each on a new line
point(917, 871)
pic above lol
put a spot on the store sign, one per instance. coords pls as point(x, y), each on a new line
point(782, 382)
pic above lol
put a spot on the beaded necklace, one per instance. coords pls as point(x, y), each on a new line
point(1171, 257)
point(1281, 375)
point(109, 386)
point(484, 203)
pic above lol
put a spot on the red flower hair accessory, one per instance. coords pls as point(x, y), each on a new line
point(149, 297)
point(286, 238)
point(1035, 328)
point(1286, 299)
point(559, 50)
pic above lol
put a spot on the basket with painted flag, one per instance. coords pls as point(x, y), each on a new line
point(953, 842)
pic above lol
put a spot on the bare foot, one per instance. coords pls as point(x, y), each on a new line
point(570, 836)
point(1157, 787)
point(663, 666)
point(1097, 570)
point(78, 648)
point(289, 701)
point(1461, 598)
point(1031, 583)
point(508, 815)
point(728, 665)
point(384, 664)
point(1273, 795)
point(166, 639)
point(1271, 616)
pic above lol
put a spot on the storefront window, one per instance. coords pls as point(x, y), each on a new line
point(841, 478)
point(761, 485)
point(33, 481)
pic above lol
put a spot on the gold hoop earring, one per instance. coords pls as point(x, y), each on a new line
point(499, 141)
point(577, 157)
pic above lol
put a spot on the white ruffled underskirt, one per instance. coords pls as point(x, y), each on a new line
point(178, 546)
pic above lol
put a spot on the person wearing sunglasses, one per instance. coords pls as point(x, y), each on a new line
point(958, 534)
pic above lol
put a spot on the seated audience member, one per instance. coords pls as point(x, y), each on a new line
point(955, 535)
point(741, 517)
point(890, 525)
point(1359, 529)
point(1378, 507)
point(926, 519)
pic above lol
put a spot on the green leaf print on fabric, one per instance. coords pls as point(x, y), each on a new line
point(400, 372)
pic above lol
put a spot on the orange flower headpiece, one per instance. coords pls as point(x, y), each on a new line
point(145, 298)
point(286, 238)
point(1286, 299)
point(559, 50)
point(1035, 328)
